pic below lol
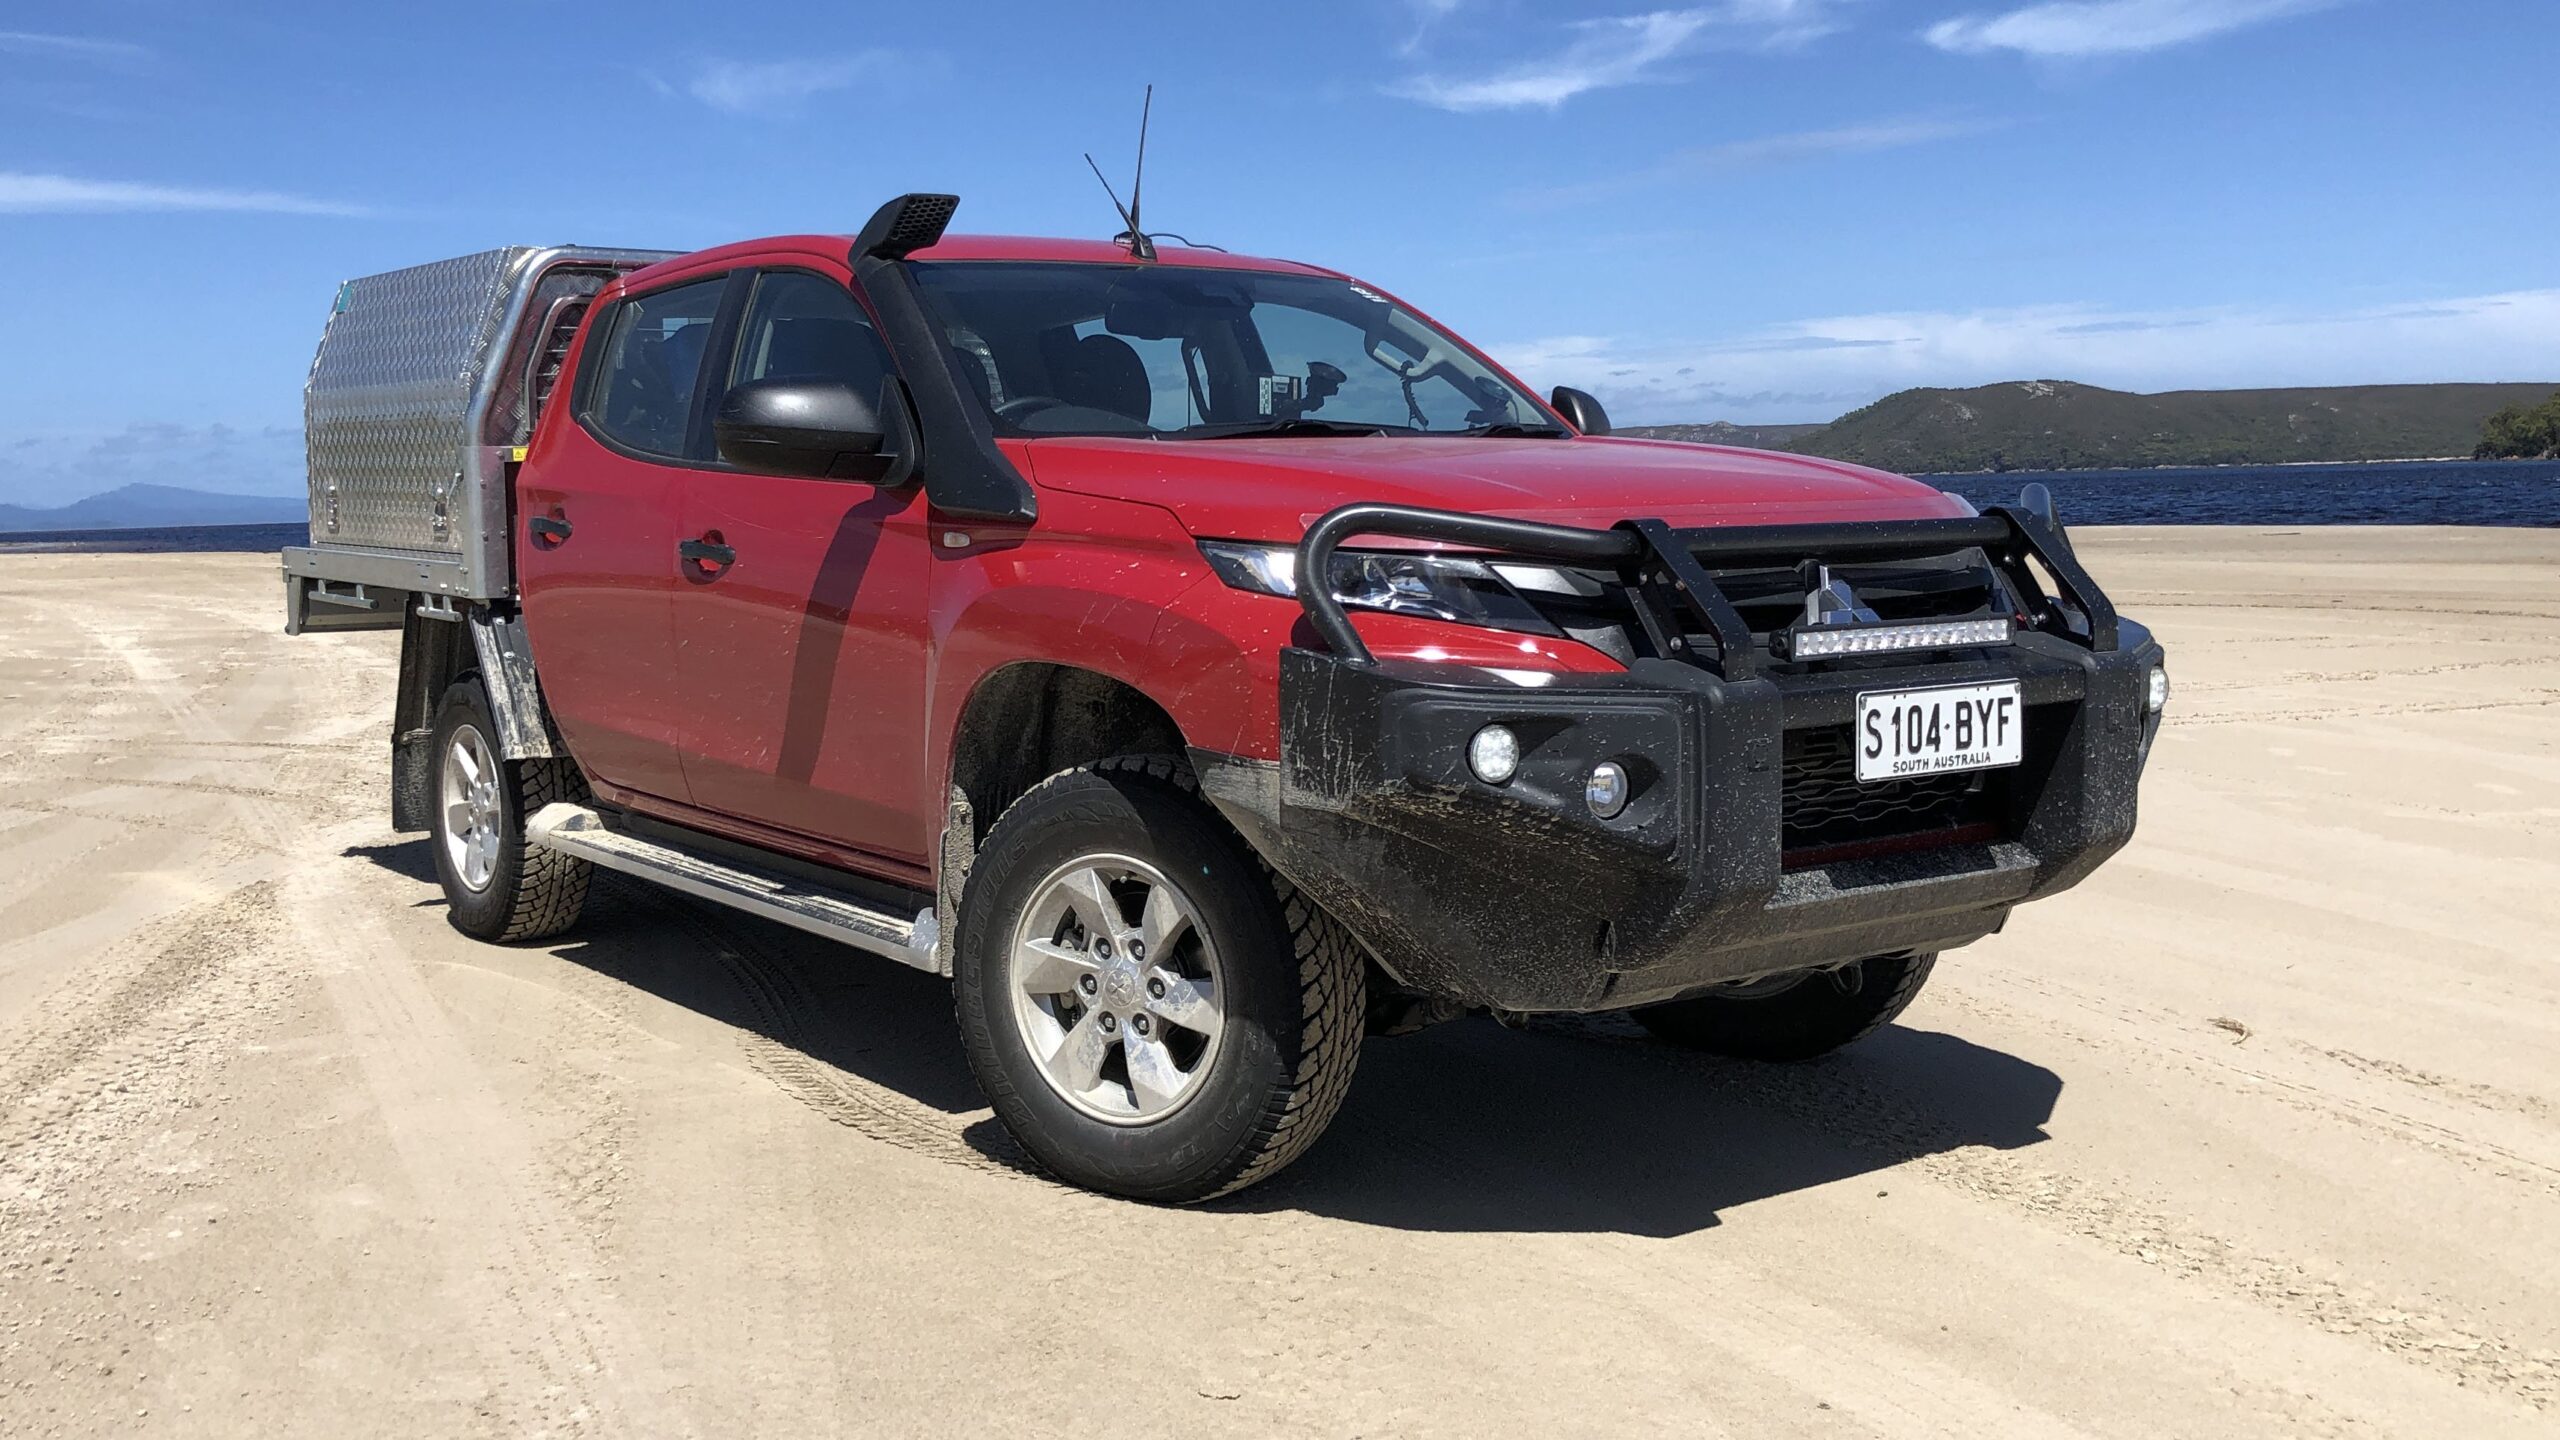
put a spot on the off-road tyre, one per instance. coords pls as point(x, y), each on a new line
point(1815, 1016)
point(531, 894)
point(1293, 983)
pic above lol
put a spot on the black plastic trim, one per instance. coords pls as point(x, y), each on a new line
point(904, 225)
point(591, 363)
point(965, 474)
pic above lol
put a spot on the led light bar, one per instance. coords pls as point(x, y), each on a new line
point(1829, 642)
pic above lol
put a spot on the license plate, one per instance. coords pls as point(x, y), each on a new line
point(1902, 733)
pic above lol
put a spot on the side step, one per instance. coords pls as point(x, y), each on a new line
point(582, 832)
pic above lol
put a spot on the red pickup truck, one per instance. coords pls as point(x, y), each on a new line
point(1204, 661)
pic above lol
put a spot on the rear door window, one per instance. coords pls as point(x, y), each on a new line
point(652, 364)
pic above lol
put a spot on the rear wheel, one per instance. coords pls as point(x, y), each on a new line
point(496, 887)
point(1793, 1017)
point(1151, 1011)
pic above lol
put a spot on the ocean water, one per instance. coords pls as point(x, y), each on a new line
point(2410, 492)
point(160, 538)
point(2415, 492)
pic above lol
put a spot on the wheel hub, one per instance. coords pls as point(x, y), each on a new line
point(1116, 989)
point(474, 816)
point(1120, 985)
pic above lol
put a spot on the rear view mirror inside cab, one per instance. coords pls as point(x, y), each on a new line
point(1141, 317)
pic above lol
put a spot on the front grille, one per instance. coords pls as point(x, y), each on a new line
point(1826, 815)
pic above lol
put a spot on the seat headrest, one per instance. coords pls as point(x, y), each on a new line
point(1102, 372)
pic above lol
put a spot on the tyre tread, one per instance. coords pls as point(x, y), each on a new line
point(551, 887)
point(542, 892)
point(1789, 1026)
point(1332, 992)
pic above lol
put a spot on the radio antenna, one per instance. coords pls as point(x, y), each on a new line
point(1134, 236)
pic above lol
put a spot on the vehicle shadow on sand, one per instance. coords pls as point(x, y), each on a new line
point(1567, 1125)
point(1589, 1125)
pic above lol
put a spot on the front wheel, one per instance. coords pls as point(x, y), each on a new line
point(1793, 1017)
point(1152, 1012)
point(496, 887)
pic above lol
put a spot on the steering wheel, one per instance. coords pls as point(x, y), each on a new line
point(1023, 407)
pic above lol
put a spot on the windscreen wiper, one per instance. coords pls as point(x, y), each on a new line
point(1514, 427)
point(1301, 425)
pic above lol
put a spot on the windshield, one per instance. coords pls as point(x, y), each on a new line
point(1168, 352)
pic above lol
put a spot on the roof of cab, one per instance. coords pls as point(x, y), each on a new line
point(974, 247)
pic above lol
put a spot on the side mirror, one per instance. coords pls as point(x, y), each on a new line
point(820, 429)
point(1580, 411)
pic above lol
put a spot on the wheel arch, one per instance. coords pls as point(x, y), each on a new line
point(1029, 719)
point(1023, 722)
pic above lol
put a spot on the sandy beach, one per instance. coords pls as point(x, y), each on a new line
point(2257, 1133)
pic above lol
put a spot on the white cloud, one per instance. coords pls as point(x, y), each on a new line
point(1818, 369)
point(69, 47)
point(67, 195)
point(1623, 50)
point(2078, 29)
point(754, 86)
point(1890, 134)
point(1426, 15)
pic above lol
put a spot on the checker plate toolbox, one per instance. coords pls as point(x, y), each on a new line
point(426, 381)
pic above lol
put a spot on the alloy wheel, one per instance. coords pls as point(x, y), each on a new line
point(473, 812)
point(1116, 989)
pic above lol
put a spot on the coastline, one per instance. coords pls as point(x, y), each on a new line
point(150, 539)
point(2227, 465)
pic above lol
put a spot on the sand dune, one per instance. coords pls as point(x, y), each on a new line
point(2256, 1133)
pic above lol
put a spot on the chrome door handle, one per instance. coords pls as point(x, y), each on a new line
point(710, 554)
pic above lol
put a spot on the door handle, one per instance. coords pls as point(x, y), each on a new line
point(709, 554)
point(549, 528)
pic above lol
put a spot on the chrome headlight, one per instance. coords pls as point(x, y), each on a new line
point(1440, 587)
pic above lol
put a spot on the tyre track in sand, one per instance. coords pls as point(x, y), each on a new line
point(1869, 1118)
point(779, 1046)
point(125, 1061)
point(559, 1353)
point(553, 1351)
point(2217, 1063)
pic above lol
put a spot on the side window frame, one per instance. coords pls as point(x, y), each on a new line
point(729, 336)
point(599, 349)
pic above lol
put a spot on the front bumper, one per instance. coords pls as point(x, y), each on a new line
point(1517, 897)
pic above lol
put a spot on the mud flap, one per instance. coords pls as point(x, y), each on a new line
point(515, 697)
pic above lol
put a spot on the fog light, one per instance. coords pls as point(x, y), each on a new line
point(1606, 791)
point(2157, 697)
point(1494, 754)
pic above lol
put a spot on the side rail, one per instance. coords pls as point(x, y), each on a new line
point(1668, 573)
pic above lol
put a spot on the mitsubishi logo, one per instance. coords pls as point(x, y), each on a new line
point(1832, 602)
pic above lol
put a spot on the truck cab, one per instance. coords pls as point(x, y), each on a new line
point(1204, 661)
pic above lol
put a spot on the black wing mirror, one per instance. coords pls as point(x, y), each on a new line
point(819, 429)
point(1580, 411)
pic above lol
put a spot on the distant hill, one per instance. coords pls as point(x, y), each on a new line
point(1723, 432)
point(144, 506)
point(2060, 425)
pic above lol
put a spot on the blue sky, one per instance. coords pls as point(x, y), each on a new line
point(1761, 210)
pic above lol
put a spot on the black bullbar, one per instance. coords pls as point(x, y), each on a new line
point(1740, 848)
